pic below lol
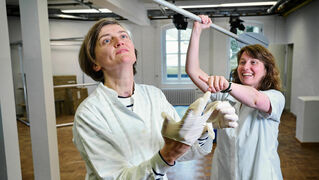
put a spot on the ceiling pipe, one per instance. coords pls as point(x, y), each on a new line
point(273, 8)
point(84, 4)
point(162, 9)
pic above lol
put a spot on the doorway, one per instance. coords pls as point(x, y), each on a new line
point(283, 54)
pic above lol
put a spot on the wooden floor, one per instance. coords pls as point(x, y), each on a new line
point(299, 162)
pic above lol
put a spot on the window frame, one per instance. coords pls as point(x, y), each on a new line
point(179, 79)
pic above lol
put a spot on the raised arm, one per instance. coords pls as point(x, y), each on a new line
point(192, 62)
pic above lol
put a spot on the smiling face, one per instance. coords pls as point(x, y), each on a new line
point(250, 70)
point(114, 49)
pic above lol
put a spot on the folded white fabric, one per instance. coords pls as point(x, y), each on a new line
point(222, 114)
point(191, 127)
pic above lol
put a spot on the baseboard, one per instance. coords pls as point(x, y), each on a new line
point(307, 143)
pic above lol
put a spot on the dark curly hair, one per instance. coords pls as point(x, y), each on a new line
point(87, 50)
point(272, 78)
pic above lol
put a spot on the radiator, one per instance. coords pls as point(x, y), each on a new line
point(180, 96)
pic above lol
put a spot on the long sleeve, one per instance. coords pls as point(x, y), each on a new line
point(106, 159)
point(117, 143)
point(202, 147)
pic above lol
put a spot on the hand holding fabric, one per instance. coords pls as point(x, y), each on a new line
point(222, 114)
point(191, 127)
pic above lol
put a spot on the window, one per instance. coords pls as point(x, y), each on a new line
point(234, 48)
point(175, 44)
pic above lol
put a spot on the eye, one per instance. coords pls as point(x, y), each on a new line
point(123, 36)
point(241, 62)
point(253, 62)
point(106, 41)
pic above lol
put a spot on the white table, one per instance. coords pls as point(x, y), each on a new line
point(307, 125)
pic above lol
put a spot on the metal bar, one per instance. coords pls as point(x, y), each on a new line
point(53, 39)
point(64, 124)
point(65, 44)
point(75, 85)
point(68, 39)
point(24, 82)
point(196, 18)
point(24, 122)
point(57, 125)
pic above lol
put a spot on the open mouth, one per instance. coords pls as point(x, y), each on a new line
point(247, 74)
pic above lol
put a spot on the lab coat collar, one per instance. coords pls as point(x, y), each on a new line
point(112, 92)
point(113, 95)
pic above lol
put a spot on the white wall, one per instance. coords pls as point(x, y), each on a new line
point(219, 50)
point(302, 30)
point(65, 58)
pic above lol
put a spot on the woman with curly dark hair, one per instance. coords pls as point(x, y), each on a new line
point(250, 150)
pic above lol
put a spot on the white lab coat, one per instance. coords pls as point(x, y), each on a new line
point(249, 152)
point(117, 143)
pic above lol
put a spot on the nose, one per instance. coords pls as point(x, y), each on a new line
point(246, 66)
point(118, 42)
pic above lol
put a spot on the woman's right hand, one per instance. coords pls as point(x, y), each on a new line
point(172, 150)
point(215, 83)
point(206, 22)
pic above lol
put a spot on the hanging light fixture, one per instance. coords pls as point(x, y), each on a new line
point(180, 21)
point(236, 23)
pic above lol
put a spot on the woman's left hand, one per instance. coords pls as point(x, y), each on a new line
point(215, 83)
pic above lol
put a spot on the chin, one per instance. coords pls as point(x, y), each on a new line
point(127, 59)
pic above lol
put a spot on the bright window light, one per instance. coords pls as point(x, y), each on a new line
point(85, 11)
point(267, 3)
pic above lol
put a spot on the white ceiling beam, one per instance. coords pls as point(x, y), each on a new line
point(149, 4)
point(133, 10)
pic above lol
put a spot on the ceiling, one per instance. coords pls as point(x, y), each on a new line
point(142, 11)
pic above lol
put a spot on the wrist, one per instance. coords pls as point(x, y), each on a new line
point(197, 30)
point(228, 89)
point(172, 150)
point(169, 162)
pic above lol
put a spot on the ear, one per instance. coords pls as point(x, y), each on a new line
point(96, 67)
